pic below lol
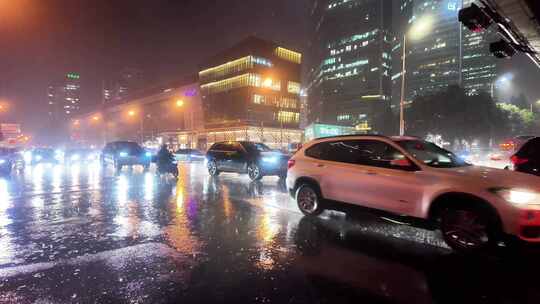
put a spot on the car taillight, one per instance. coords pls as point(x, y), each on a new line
point(291, 163)
point(516, 160)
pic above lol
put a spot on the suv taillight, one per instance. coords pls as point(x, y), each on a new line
point(516, 160)
point(291, 163)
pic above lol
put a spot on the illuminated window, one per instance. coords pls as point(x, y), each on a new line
point(234, 66)
point(273, 84)
point(288, 55)
point(293, 87)
point(258, 99)
point(288, 117)
point(245, 80)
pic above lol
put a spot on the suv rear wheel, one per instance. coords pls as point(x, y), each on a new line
point(468, 229)
point(309, 200)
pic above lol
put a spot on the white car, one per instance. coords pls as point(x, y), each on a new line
point(407, 177)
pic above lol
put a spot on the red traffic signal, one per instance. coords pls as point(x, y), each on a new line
point(474, 18)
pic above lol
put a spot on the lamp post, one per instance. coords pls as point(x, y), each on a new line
point(419, 29)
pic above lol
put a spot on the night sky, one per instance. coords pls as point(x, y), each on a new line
point(41, 40)
point(167, 39)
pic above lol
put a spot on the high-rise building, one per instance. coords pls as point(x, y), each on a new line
point(349, 63)
point(126, 82)
point(445, 52)
point(64, 98)
point(256, 83)
point(479, 66)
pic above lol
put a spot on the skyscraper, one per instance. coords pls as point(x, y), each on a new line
point(446, 54)
point(349, 62)
point(126, 82)
point(64, 98)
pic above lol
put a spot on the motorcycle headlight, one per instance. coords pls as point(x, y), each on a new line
point(518, 196)
point(148, 154)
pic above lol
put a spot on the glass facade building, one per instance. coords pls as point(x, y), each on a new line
point(349, 62)
point(256, 82)
point(446, 54)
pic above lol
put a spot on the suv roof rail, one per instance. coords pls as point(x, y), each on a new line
point(353, 135)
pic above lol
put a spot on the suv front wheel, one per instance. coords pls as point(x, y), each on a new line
point(309, 200)
point(468, 229)
point(212, 168)
point(254, 172)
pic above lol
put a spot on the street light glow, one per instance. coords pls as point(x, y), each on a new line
point(131, 113)
point(421, 27)
point(96, 118)
point(179, 103)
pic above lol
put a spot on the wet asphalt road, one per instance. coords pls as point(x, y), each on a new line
point(86, 235)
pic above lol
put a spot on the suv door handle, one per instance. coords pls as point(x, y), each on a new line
point(371, 173)
point(320, 165)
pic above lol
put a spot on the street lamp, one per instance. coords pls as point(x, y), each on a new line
point(179, 103)
point(419, 29)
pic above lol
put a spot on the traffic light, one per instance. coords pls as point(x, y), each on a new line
point(475, 18)
point(502, 49)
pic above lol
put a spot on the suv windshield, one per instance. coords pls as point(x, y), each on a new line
point(432, 155)
point(256, 147)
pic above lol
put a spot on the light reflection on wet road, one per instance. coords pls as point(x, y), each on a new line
point(83, 235)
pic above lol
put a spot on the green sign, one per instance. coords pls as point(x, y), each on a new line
point(73, 76)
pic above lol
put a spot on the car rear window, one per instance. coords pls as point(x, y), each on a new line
point(129, 147)
point(531, 148)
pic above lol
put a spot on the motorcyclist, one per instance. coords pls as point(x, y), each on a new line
point(164, 158)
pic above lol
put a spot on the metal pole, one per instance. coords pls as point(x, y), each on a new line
point(142, 129)
point(402, 101)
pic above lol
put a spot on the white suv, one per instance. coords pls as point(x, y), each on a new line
point(407, 177)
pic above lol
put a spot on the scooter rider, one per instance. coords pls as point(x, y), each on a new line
point(164, 159)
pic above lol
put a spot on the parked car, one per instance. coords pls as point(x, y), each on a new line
point(10, 160)
point(125, 153)
point(44, 156)
point(189, 155)
point(80, 156)
point(417, 182)
point(527, 158)
point(255, 159)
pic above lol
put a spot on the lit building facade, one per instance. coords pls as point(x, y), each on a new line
point(349, 63)
point(64, 98)
point(446, 54)
point(127, 82)
point(254, 83)
point(479, 66)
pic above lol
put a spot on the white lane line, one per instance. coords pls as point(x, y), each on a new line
point(117, 258)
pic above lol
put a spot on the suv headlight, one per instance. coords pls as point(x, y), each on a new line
point(2, 161)
point(123, 154)
point(518, 196)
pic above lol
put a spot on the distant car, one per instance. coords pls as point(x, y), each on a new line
point(418, 182)
point(527, 158)
point(189, 155)
point(45, 156)
point(125, 153)
point(10, 160)
point(255, 159)
point(77, 156)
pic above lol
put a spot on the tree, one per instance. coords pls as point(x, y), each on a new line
point(521, 101)
point(518, 120)
point(456, 116)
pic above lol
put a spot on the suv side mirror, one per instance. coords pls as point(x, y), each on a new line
point(401, 163)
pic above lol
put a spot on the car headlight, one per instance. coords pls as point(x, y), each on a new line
point(2, 161)
point(75, 157)
point(123, 154)
point(148, 154)
point(518, 196)
point(39, 157)
point(270, 159)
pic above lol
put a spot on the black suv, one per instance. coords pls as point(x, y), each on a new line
point(125, 153)
point(527, 158)
point(255, 159)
